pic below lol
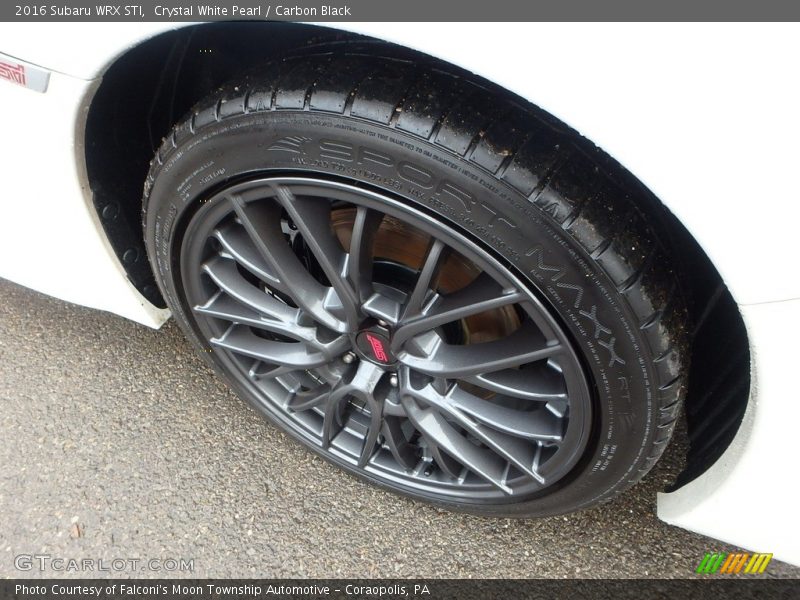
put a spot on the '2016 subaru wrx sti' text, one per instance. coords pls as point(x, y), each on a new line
point(487, 266)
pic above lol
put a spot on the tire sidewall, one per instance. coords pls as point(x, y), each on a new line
point(521, 234)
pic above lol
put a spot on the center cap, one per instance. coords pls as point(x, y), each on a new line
point(374, 346)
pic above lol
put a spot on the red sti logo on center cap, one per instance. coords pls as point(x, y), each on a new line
point(377, 348)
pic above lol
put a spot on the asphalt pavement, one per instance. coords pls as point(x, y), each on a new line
point(118, 444)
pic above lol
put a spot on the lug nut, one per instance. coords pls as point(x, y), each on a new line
point(382, 323)
point(393, 381)
point(349, 357)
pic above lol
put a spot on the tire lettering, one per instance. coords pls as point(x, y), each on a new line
point(416, 175)
point(600, 330)
point(335, 150)
point(448, 189)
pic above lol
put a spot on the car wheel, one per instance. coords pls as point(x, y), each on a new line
point(430, 283)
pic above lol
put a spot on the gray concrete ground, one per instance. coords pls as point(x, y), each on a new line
point(116, 442)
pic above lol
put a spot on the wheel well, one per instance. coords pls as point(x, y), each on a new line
point(145, 92)
point(719, 373)
point(150, 87)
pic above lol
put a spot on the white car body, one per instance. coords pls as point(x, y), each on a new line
point(705, 115)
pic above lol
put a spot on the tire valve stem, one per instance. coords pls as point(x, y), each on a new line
point(428, 470)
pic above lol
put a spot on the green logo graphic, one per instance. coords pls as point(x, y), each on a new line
point(733, 563)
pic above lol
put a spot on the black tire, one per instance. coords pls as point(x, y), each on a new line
point(520, 185)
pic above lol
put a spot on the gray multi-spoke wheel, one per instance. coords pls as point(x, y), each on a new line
point(443, 292)
point(385, 339)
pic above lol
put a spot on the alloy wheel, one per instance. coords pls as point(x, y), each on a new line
point(385, 339)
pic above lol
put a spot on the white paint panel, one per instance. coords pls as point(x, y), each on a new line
point(50, 238)
point(749, 496)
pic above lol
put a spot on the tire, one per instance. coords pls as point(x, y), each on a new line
point(555, 237)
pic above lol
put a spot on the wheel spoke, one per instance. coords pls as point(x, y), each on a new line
point(261, 221)
point(479, 296)
point(371, 439)
point(360, 260)
point(383, 308)
point(238, 245)
point(402, 451)
point(308, 399)
point(224, 273)
point(297, 381)
point(312, 217)
point(296, 355)
point(364, 383)
point(538, 424)
point(332, 420)
point(502, 436)
point(454, 362)
point(222, 306)
point(439, 432)
point(433, 259)
point(449, 466)
point(534, 383)
point(518, 453)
